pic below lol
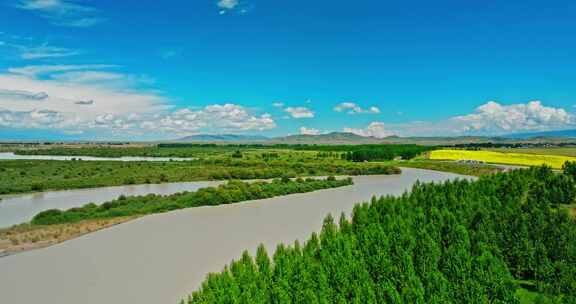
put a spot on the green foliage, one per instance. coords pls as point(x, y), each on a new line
point(569, 169)
point(19, 176)
point(359, 153)
point(231, 192)
point(457, 242)
point(237, 154)
point(454, 167)
point(180, 150)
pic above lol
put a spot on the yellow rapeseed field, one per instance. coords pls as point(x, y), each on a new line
point(554, 161)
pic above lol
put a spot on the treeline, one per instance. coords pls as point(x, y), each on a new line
point(231, 192)
point(457, 242)
point(374, 152)
point(297, 169)
point(385, 152)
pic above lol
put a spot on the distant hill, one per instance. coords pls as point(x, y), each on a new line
point(329, 138)
point(223, 138)
point(555, 134)
point(335, 138)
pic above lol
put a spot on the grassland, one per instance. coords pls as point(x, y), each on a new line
point(19, 176)
point(464, 169)
point(524, 159)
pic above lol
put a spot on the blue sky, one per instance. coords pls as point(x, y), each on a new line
point(163, 69)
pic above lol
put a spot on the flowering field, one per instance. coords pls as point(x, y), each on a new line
point(554, 161)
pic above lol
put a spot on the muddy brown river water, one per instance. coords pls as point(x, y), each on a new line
point(162, 258)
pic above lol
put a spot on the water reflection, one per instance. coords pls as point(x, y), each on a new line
point(16, 209)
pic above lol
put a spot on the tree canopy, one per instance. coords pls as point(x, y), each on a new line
point(457, 242)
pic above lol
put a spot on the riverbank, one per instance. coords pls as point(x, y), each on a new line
point(452, 167)
point(163, 257)
point(54, 226)
point(25, 237)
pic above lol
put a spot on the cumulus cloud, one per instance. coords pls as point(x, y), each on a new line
point(493, 117)
point(123, 110)
point(278, 104)
point(353, 108)
point(309, 131)
point(374, 129)
point(299, 112)
point(215, 118)
point(31, 119)
point(63, 12)
point(63, 102)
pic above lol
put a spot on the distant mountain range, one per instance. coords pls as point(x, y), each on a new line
point(223, 138)
point(330, 138)
point(557, 134)
point(350, 138)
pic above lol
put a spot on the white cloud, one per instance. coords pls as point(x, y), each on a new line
point(299, 112)
point(21, 92)
point(29, 50)
point(103, 78)
point(353, 108)
point(22, 95)
point(45, 51)
point(228, 4)
point(278, 104)
point(63, 12)
point(211, 118)
point(31, 119)
point(374, 129)
point(493, 117)
point(309, 131)
point(39, 70)
point(121, 110)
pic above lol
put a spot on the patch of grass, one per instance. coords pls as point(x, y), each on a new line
point(26, 236)
point(526, 296)
point(464, 169)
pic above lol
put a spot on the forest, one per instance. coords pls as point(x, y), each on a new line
point(231, 192)
point(501, 239)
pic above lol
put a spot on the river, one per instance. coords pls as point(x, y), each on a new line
point(163, 257)
point(12, 156)
point(20, 208)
